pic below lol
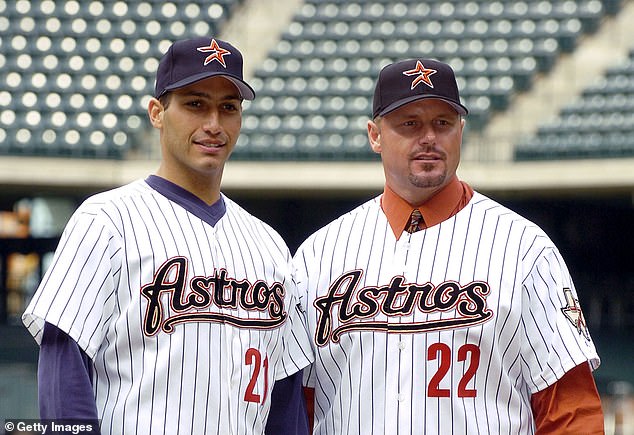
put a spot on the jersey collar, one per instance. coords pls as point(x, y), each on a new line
point(446, 203)
point(190, 202)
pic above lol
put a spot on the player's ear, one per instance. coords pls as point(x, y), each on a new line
point(374, 136)
point(155, 111)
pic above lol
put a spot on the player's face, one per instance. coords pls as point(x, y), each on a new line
point(199, 127)
point(419, 145)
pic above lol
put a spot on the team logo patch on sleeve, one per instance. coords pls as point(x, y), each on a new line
point(572, 312)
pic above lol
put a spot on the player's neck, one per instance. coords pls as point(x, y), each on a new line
point(204, 186)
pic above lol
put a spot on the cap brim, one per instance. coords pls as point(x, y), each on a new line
point(245, 90)
point(462, 110)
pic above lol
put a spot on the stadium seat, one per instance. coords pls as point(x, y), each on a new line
point(598, 124)
point(87, 64)
point(333, 50)
point(94, 60)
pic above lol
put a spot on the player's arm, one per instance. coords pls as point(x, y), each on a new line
point(570, 406)
point(288, 408)
point(309, 395)
point(64, 378)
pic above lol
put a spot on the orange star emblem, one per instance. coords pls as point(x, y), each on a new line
point(422, 74)
point(572, 312)
point(217, 53)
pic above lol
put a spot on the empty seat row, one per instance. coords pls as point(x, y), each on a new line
point(465, 10)
point(333, 50)
point(111, 12)
point(597, 124)
point(92, 60)
point(53, 142)
point(581, 145)
point(358, 49)
point(304, 146)
point(75, 75)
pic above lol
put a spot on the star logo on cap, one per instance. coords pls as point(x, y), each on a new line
point(422, 74)
point(217, 53)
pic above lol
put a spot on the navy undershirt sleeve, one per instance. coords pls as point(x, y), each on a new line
point(288, 415)
point(65, 387)
point(64, 378)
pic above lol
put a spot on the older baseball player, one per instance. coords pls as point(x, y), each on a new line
point(434, 309)
point(168, 308)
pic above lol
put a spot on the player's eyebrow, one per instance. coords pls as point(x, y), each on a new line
point(206, 95)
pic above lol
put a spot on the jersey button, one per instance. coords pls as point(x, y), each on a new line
point(400, 397)
point(401, 345)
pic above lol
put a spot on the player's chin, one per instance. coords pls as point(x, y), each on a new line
point(428, 168)
point(428, 178)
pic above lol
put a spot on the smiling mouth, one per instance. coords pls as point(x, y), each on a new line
point(210, 144)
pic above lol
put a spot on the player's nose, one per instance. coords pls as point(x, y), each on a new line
point(427, 134)
point(212, 122)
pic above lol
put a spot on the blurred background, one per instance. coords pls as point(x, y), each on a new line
point(549, 83)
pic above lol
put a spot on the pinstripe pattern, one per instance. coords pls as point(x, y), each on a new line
point(192, 380)
point(386, 376)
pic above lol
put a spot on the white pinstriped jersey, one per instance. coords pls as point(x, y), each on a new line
point(447, 330)
point(188, 324)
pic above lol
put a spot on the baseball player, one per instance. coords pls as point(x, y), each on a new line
point(168, 308)
point(434, 309)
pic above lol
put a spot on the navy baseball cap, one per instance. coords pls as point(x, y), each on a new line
point(191, 60)
point(414, 79)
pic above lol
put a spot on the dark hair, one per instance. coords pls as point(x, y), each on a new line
point(165, 99)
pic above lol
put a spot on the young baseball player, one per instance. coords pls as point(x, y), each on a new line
point(168, 308)
point(434, 309)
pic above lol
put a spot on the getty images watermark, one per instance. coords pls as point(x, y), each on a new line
point(56, 427)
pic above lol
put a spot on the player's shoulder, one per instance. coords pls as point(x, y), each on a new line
point(104, 209)
point(239, 214)
point(113, 199)
point(116, 195)
point(371, 207)
point(501, 216)
point(483, 204)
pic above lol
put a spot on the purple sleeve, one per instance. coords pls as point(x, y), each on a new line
point(288, 415)
point(64, 378)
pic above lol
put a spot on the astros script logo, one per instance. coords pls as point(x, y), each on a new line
point(217, 53)
point(422, 74)
point(227, 295)
point(356, 309)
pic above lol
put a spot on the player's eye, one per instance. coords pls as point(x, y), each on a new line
point(194, 103)
point(230, 107)
point(442, 122)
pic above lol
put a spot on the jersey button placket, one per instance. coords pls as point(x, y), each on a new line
point(392, 380)
point(393, 351)
point(399, 353)
point(400, 256)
